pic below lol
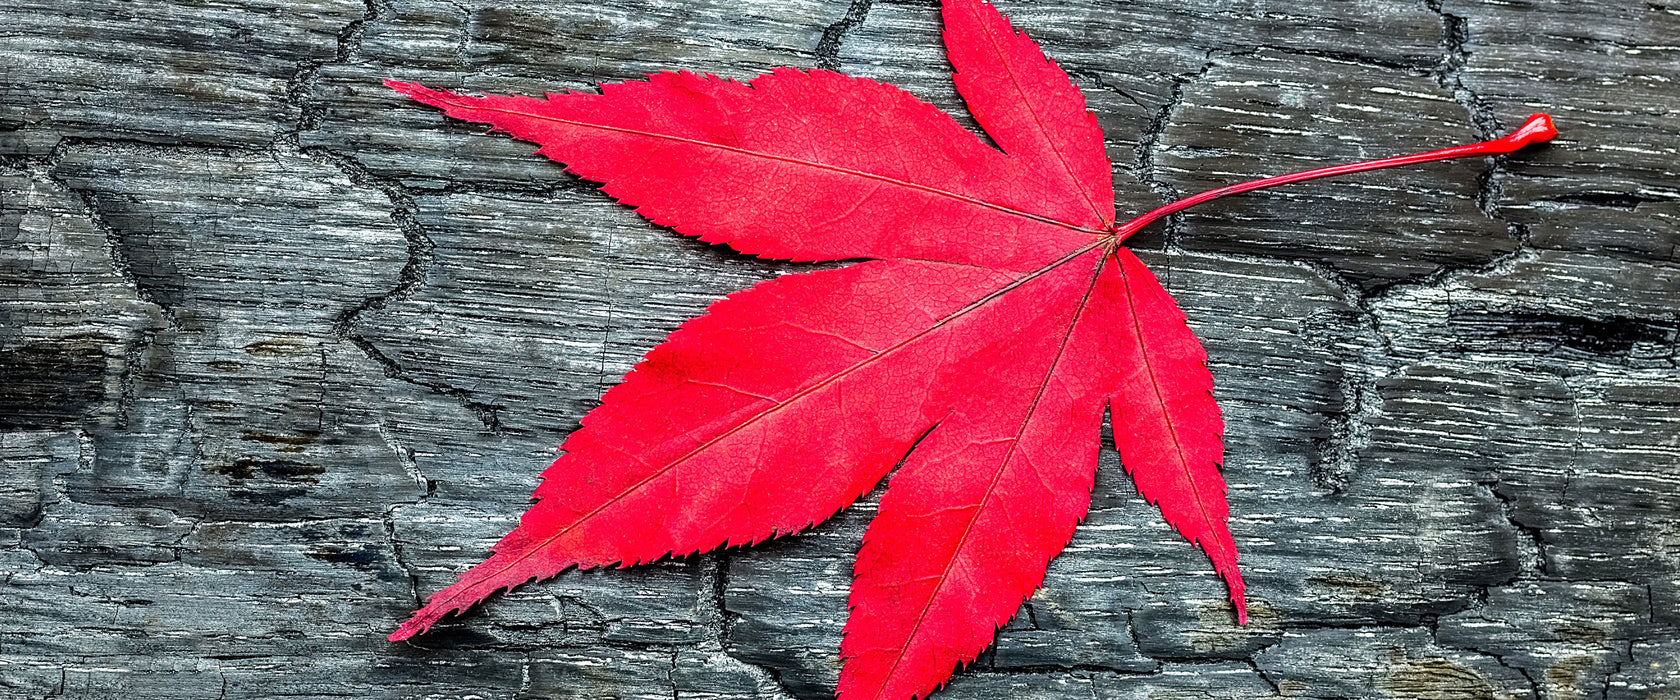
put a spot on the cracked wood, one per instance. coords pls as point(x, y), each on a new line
point(263, 348)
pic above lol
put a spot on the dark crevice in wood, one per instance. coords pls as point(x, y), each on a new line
point(1534, 688)
point(1349, 57)
point(1626, 201)
point(397, 553)
point(117, 249)
point(1531, 541)
point(828, 48)
point(487, 414)
point(1144, 168)
point(1449, 73)
point(1263, 676)
point(421, 257)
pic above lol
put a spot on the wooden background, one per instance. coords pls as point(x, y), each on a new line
point(280, 353)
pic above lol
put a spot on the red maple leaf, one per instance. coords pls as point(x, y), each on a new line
point(996, 319)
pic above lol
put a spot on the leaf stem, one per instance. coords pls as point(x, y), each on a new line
point(1538, 129)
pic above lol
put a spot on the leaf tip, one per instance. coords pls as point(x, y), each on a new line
point(423, 619)
point(407, 630)
point(405, 88)
point(418, 92)
point(1239, 596)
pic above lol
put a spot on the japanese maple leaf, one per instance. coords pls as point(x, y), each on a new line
point(995, 320)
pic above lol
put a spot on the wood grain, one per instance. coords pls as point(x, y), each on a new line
point(281, 352)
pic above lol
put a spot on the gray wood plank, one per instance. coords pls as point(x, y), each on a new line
point(281, 353)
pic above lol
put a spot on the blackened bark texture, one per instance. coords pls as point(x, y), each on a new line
point(281, 353)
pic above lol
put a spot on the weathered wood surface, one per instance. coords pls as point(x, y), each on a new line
point(280, 353)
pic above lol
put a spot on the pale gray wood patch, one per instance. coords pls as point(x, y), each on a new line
point(281, 353)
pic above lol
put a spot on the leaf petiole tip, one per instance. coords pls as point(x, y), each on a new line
point(1538, 129)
